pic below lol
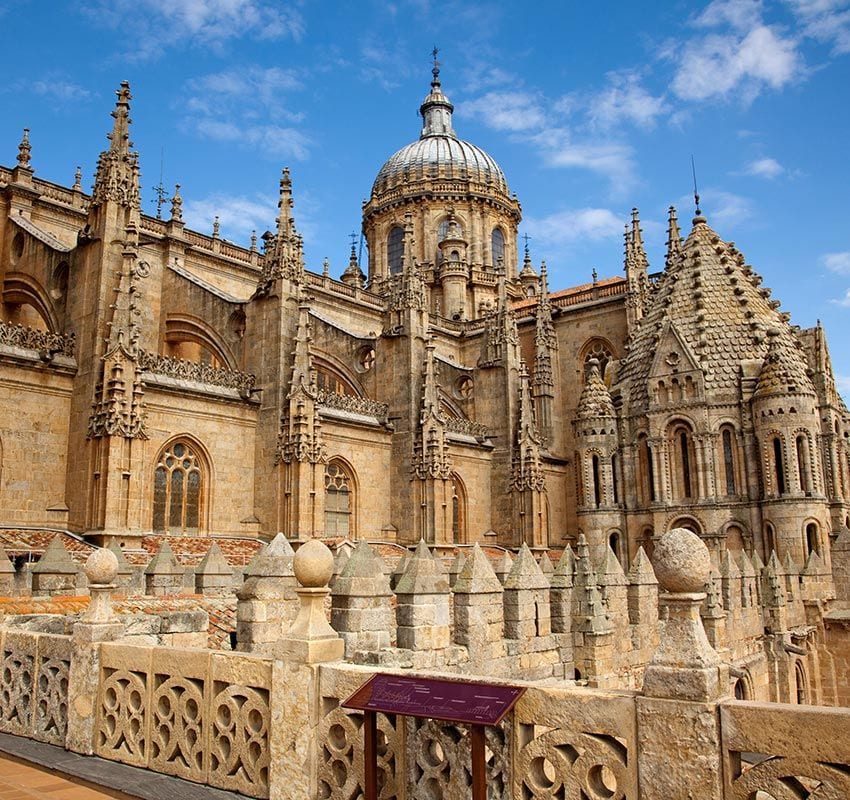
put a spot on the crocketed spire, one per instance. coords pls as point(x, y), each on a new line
point(783, 371)
point(595, 400)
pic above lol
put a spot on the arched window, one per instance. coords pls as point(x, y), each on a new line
point(778, 466)
point(802, 687)
point(395, 249)
point(804, 467)
point(812, 540)
point(497, 246)
point(684, 475)
point(458, 509)
point(339, 488)
point(727, 436)
point(179, 490)
point(734, 538)
point(614, 544)
point(614, 479)
point(742, 689)
point(597, 488)
point(769, 539)
point(647, 473)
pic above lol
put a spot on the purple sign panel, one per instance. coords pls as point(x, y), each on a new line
point(433, 698)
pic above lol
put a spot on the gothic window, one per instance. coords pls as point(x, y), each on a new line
point(497, 246)
point(728, 439)
point(179, 490)
point(778, 466)
point(597, 487)
point(812, 543)
point(803, 464)
point(599, 350)
point(338, 500)
point(458, 509)
point(395, 249)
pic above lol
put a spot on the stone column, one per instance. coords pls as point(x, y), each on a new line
point(682, 683)
point(423, 603)
point(295, 704)
point(163, 575)
point(478, 613)
point(97, 625)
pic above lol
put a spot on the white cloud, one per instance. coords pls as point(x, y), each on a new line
point(610, 158)
point(844, 301)
point(765, 168)
point(739, 14)
point(238, 215)
point(506, 111)
point(843, 384)
point(624, 100)
point(574, 225)
point(826, 21)
point(718, 66)
point(159, 24)
point(837, 262)
point(223, 106)
point(724, 210)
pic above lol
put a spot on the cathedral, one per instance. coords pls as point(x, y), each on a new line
point(156, 380)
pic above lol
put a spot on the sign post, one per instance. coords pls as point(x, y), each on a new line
point(474, 704)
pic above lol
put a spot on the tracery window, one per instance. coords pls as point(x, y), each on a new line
point(395, 249)
point(179, 490)
point(497, 246)
point(338, 500)
point(602, 353)
point(332, 383)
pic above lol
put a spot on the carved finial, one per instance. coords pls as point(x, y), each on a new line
point(674, 238)
point(698, 217)
point(326, 267)
point(435, 71)
point(120, 136)
point(78, 177)
point(254, 241)
point(24, 150)
point(595, 275)
point(177, 205)
point(216, 227)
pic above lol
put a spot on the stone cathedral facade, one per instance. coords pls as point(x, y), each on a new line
point(157, 380)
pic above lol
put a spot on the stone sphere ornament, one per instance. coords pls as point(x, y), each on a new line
point(313, 564)
point(101, 567)
point(681, 561)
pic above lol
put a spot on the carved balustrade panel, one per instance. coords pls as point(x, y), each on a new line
point(239, 739)
point(34, 685)
point(775, 751)
point(195, 371)
point(178, 727)
point(122, 722)
point(340, 742)
point(17, 683)
point(572, 749)
point(200, 715)
point(43, 342)
point(440, 760)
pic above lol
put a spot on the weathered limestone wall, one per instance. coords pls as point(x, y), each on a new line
point(34, 412)
point(837, 641)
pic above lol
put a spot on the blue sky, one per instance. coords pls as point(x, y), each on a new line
point(590, 108)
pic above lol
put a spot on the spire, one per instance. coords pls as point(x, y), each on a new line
point(284, 252)
point(527, 469)
point(78, 178)
point(177, 205)
point(436, 110)
point(545, 343)
point(117, 175)
point(25, 150)
point(595, 401)
point(431, 451)
point(638, 250)
point(784, 370)
point(674, 238)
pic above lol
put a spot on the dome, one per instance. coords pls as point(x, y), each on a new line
point(438, 153)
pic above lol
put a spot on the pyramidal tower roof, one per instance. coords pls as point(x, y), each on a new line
point(713, 303)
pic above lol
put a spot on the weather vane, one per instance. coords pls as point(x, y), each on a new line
point(696, 193)
point(526, 237)
point(353, 237)
point(436, 70)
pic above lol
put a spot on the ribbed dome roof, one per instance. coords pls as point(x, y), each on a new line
point(438, 153)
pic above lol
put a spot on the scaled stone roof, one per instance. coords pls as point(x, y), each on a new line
point(715, 303)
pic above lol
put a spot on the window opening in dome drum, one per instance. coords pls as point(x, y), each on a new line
point(497, 246)
point(395, 249)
